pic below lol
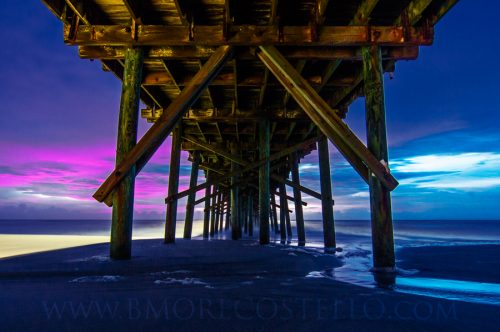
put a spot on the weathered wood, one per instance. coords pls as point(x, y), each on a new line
point(282, 213)
point(206, 214)
point(441, 11)
point(213, 213)
point(380, 197)
point(323, 116)
point(153, 138)
point(250, 167)
point(193, 181)
point(173, 184)
point(235, 225)
point(202, 52)
point(326, 193)
point(264, 174)
point(363, 12)
point(228, 213)
point(246, 35)
point(218, 211)
point(274, 213)
point(299, 215)
point(289, 231)
point(123, 199)
point(250, 215)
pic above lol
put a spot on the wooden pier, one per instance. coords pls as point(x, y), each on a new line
point(248, 88)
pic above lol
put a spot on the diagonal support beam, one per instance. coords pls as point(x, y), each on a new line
point(155, 136)
point(250, 167)
point(325, 118)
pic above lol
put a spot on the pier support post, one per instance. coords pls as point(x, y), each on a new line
point(228, 212)
point(264, 173)
point(275, 213)
point(380, 197)
point(206, 214)
point(173, 184)
point(250, 215)
point(193, 181)
point(213, 209)
point(326, 194)
point(299, 215)
point(220, 207)
point(282, 212)
point(235, 227)
point(123, 199)
point(289, 231)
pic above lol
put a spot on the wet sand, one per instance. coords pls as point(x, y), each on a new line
point(212, 285)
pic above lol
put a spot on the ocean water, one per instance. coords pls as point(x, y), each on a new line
point(353, 236)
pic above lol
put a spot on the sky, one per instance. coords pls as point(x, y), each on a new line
point(58, 118)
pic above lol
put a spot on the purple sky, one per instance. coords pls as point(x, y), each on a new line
point(59, 114)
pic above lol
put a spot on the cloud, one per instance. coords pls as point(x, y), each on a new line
point(463, 171)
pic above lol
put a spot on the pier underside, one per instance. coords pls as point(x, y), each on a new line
point(249, 88)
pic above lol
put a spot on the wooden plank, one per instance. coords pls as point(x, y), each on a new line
point(193, 181)
point(154, 137)
point(134, 9)
point(282, 213)
point(204, 52)
point(173, 184)
point(264, 172)
point(323, 116)
point(247, 35)
point(380, 196)
point(123, 200)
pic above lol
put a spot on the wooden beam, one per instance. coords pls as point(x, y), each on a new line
point(264, 189)
point(299, 214)
point(413, 12)
point(380, 196)
point(325, 181)
point(212, 212)
point(247, 35)
point(282, 213)
point(134, 9)
point(204, 52)
point(325, 118)
point(153, 138)
point(441, 11)
point(193, 181)
point(173, 184)
point(284, 152)
point(363, 13)
point(206, 214)
point(123, 199)
point(299, 67)
point(273, 13)
point(235, 212)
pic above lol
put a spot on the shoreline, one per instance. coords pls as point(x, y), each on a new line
point(206, 285)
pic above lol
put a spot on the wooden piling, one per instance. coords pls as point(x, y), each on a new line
point(218, 214)
point(250, 215)
point(234, 198)
point(275, 214)
point(326, 194)
point(173, 184)
point(193, 181)
point(228, 213)
point(299, 215)
point(123, 198)
point(282, 213)
point(264, 173)
point(213, 208)
point(380, 197)
point(206, 215)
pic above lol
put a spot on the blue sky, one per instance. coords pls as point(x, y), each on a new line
point(58, 126)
